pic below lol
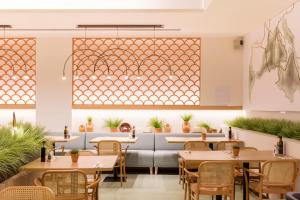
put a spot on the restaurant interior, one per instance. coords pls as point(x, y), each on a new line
point(140, 99)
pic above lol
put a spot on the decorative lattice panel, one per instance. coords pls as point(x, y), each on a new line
point(17, 71)
point(161, 72)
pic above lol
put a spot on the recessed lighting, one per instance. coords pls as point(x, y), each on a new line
point(64, 78)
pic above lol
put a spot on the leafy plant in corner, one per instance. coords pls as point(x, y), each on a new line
point(19, 148)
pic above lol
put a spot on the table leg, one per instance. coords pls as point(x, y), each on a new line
point(245, 189)
point(53, 146)
point(219, 197)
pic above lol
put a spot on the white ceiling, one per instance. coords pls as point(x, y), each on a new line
point(223, 17)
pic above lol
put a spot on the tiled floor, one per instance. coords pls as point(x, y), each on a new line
point(148, 187)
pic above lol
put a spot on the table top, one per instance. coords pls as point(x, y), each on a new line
point(119, 139)
point(244, 156)
point(60, 138)
point(85, 163)
point(195, 139)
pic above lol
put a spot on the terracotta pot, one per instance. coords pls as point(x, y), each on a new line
point(203, 136)
point(89, 127)
point(74, 157)
point(81, 128)
point(186, 127)
point(158, 130)
point(114, 130)
point(167, 129)
point(235, 152)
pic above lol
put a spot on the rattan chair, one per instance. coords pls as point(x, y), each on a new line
point(227, 145)
point(276, 177)
point(69, 184)
point(112, 147)
point(190, 146)
point(27, 193)
point(213, 178)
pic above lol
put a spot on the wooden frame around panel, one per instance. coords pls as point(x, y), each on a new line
point(158, 107)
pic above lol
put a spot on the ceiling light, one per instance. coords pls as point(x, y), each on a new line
point(93, 77)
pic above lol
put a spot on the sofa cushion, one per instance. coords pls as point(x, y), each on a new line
point(145, 142)
point(139, 158)
point(166, 158)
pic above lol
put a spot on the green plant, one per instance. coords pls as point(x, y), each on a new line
point(156, 123)
point(74, 151)
point(186, 117)
point(204, 125)
point(18, 148)
point(90, 119)
point(284, 128)
point(112, 123)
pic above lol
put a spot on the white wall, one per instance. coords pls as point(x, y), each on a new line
point(53, 95)
point(267, 102)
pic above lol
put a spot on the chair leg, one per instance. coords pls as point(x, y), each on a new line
point(151, 170)
point(156, 170)
point(121, 174)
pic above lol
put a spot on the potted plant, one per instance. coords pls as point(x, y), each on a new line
point(113, 124)
point(206, 126)
point(89, 125)
point(186, 128)
point(167, 128)
point(156, 124)
point(81, 128)
point(74, 155)
point(235, 150)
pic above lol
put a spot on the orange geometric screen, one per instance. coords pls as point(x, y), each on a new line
point(136, 71)
point(17, 71)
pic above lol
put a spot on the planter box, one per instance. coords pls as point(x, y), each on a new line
point(263, 141)
point(20, 179)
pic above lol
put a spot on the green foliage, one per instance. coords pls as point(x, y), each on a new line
point(187, 117)
point(74, 151)
point(18, 147)
point(89, 119)
point(112, 123)
point(204, 125)
point(156, 123)
point(276, 127)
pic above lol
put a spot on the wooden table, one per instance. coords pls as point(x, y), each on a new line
point(244, 157)
point(119, 139)
point(55, 139)
point(85, 163)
